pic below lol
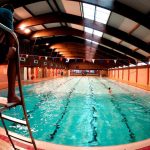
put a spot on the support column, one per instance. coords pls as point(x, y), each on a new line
point(37, 72)
point(136, 74)
point(56, 72)
point(53, 73)
point(27, 73)
point(147, 74)
point(122, 73)
point(128, 74)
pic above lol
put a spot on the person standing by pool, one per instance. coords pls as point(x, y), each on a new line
point(8, 51)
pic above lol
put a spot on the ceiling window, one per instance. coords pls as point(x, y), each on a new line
point(102, 15)
point(95, 32)
point(92, 41)
point(98, 33)
point(88, 11)
point(88, 30)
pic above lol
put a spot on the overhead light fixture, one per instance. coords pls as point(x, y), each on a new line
point(47, 44)
point(27, 31)
point(22, 27)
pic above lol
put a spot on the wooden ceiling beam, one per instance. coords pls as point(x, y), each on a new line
point(55, 17)
point(111, 5)
point(101, 50)
point(75, 32)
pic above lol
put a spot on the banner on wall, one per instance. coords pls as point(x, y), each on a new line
point(36, 61)
point(23, 59)
point(45, 63)
point(115, 60)
point(93, 60)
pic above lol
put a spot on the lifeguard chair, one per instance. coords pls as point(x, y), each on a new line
point(5, 106)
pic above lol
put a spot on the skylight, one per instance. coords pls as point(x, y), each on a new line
point(95, 32)
point(102, 15)
point(92, 41)
point(89, 30)
point(98, 33)
point(88, 11)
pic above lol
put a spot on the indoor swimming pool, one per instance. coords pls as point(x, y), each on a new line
point(79, 111)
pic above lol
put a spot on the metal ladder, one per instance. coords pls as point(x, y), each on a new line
point(5, 106)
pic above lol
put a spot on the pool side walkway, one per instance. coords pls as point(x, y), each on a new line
point(4, 85)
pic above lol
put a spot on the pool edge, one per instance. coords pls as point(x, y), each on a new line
point(141, 145)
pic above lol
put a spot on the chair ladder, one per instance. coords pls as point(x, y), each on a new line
point(5, 105)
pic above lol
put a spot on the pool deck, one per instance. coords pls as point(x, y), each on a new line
point(4, 85)
point(5, 144)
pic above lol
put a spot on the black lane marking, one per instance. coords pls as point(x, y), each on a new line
point(94, 118)
point(116, 105)
point(57, 125)
point(133, 98)
point(46, 95)
point(40, 102)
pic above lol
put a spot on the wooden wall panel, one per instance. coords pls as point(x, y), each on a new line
point(142, 76)
point(125, 77)
point(120, 74)
point(132, 75)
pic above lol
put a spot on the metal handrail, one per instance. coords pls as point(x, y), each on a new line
point(19, 79)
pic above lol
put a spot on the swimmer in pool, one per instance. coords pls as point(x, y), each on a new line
point(109, 90)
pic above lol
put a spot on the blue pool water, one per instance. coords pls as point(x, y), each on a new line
point(79, 111)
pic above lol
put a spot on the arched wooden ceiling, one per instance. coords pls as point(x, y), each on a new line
point(56, 17)
point(129, 46)
point(73, 44)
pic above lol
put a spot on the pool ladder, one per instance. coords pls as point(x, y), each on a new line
point(5, 106)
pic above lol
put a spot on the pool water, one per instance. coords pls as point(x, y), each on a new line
point(79, 111)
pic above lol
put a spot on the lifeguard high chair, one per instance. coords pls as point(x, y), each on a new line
point(5, 106)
